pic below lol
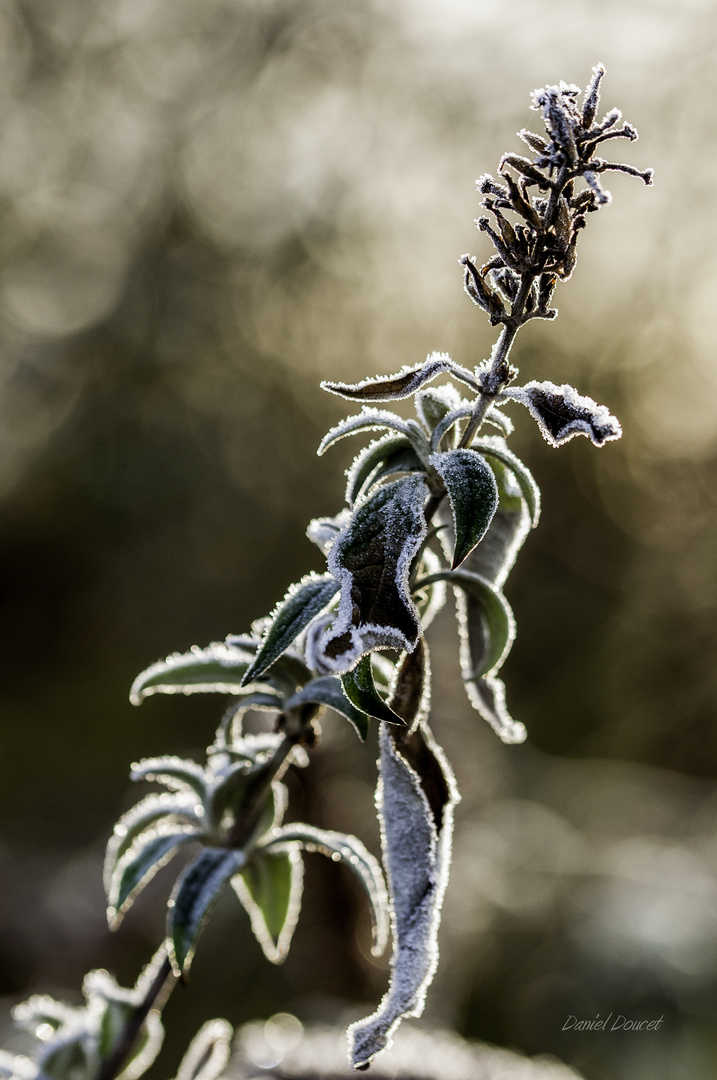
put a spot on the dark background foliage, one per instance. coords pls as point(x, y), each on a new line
point(206, 208)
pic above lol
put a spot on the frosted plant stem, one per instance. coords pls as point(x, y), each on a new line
point(159, 990)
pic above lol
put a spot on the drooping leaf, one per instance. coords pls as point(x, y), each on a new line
point(461, 412)
point(217, 669)
point(358, 859)
point(405, 383)
point(302, 603)
point(208, 1053)
point(360, 688)
point(149, 853)
point(270, 889)
point(416, 840)
point(372, 558)
point(487, 696)
point(411, 697)
point(388, 455)
point(497, 626)
point(473, 495)
point(561, 412)
point(193, 898)
point(178, 774)
point(180, 809)
point(375, 420)
point(431, 599)
point(494, 557)
point(327, 690)
point(496, 447)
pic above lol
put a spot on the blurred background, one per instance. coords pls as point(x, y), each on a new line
point(207, 207)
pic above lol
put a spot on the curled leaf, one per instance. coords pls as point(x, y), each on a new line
point(219, 668)
point(327, 690)
point(302, 603)
point(384, 457)
point(494, 446)
point(374, 420)
point(179, 809)
point(402, 385)
point(208, 1053)
point(561, 412)
point(372, 559)
point(416, 841)
point(473, 496)
point(360, 688)
point(149, 853)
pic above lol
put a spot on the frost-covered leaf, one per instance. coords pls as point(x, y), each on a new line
point(494, 557)
point(151, 851)
point(230, 726)
point(461, 412)
point(416, 826)
point(270, 889)
point(372, 559)
point(496, 447)
point(208, 1053)
point(387, 455)
point(433, 404)
point(178, 774)
point(497, 419)
point(302, 603)
point(405, 383)
point(360, 688)
point(411, 696)
point(193, 898)
point(487, 696)
point(375, 420)
point(115, 1006)
point(561, 412)
point(354, 854)
point(492, 639)
point(431, 599)
point(473, 495)
point(327, 690)
point(181, 809)
point(217, 669)
point(324, 530)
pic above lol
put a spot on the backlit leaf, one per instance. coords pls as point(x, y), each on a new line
point(193, 898)
point(360, 689)
point(302, 603)
point(372, 558)
point(139, 865)
point(208, 1053)
point(270, 889)
point(561, 413)
point(180, 809)
point(357, 858)
point(386, 456)
point(178, 774)
point(217, 669)
point(327, 690)
point(405, 383)
point(496, 447)
point(473, 495)
point(375, 420)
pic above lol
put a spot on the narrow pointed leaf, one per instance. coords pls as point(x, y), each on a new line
point(494, 610)
point(178, 774)
point(416, 840)
point(328, 690)
point(270, 889)
point(302, 603)
point(193, 898)
point(217, 669)
point(391, 454)
point(180, 809)
point(372, 558)
point(487, 696)
point(139, 865)
point(402, 385)
point(360, 688)
point(495, 447)
point(461, 412)
point(375, 420)
point(433, 404)
point(473, 496)
point(355, 855)
point(208, 1053)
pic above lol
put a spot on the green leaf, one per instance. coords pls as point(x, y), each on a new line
point(178, 774)
point(374, 420)
point(495, 447)
point(473, 494)
point(461, 412)
point(372, 558)
point(180, 809)
point(208, 1053)
point(388, 455)
point(433, 404)
point(361, 691)
point(270, 889)
point(193, 897)
point(302, 603)
point(494, 610)
point(217, 669)
point(328, 690)
point(139, 865)
point(352, 852)
point(405, 383)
